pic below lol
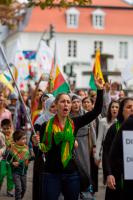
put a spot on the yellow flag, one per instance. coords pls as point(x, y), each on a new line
point(6, 82)
point(97, 66)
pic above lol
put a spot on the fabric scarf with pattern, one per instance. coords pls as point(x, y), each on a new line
point(20, 153)
point(64, 137)
point(8, 141)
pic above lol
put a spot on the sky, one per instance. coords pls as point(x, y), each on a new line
point(22, 1)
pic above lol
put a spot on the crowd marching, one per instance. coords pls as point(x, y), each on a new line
point(75, 134)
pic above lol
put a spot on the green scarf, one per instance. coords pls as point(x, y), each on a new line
point(63, 137)
point(118, 126)
point(20, 153)
point(8, 141)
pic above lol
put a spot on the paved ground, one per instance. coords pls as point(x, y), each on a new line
point(28, 195)
point(101, 188)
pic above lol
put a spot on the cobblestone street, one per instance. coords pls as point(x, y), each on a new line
point(28, 195)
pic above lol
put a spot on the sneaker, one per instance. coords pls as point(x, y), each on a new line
point(10, 194)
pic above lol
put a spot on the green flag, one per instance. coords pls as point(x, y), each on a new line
point(92, 82)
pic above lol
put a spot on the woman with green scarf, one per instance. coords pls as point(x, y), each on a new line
point(59, 172)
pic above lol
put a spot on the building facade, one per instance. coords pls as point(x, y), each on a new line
point(79, 31)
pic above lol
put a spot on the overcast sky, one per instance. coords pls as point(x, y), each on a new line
point(22, 1)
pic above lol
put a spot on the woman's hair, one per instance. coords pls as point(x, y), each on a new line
point(6, 122)
point(85, 98)
point(18, 134)
point(59, 96)
point(39, 104)
point(109, 114)
point(120, 116)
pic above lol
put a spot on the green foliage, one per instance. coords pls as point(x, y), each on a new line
point(5, 2)
point(49, 3)
point(62, 3)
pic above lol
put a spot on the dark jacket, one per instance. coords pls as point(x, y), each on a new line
point(106, 149)
point(116, 160)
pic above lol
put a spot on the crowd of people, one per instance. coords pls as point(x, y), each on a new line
point(76, 133)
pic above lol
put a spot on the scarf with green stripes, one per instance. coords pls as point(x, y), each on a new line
point(8, 141)
point(63, 137)
point(20, 153)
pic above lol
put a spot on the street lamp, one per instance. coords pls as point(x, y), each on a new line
point(68, 69)
point(51, 31)
point(51, 34)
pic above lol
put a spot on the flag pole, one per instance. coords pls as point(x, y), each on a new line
point(50, 80)
point(8, 66)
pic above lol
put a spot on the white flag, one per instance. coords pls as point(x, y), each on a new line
point(44, 58)
point(127, 72)
point(3, 64)
point(16, 57)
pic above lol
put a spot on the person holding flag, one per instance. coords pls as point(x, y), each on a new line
point(96, 71)
point(59, 172)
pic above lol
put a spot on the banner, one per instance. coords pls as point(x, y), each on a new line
point(128, 154)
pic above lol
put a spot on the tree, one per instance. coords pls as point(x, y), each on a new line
point(49, 3)
point(62, 3)
point(13, 11)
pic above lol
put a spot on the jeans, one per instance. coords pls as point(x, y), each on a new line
point(51, 185)
point(20, 186)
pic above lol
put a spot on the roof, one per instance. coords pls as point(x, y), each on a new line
point(110, 3)
point(118, 21)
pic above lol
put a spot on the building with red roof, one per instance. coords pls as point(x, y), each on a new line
point(79, 31)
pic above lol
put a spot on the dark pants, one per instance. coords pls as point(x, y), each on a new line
point(35, 185)
point(94, 174)
point(127, 190)
point(51, 185)
point(112, 194)
point(20, 186)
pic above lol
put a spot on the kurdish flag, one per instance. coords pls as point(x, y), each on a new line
point(97, 72)
point(57, 82)
point(59, 85)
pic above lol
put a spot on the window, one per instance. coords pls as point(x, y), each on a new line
point(98, 45)
point(123, 50)
point(72, 48)
point(72, 18)
point(98, 19)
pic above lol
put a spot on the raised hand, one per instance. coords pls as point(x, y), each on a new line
point(99, 82)
point(107, 86)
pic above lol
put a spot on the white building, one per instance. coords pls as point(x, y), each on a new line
point(80, 31)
